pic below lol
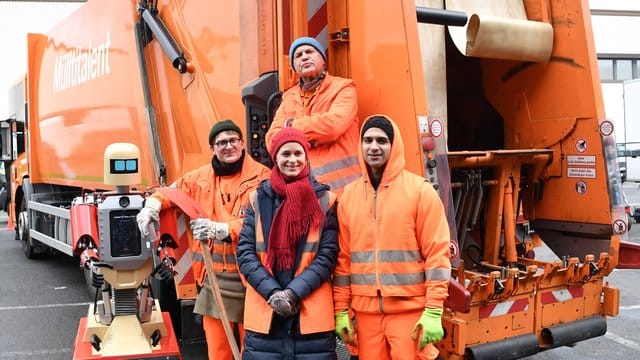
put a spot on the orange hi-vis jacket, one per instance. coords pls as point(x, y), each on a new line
point(316, 304)
point(225, 200)
point(394, 242)
point(329, 121)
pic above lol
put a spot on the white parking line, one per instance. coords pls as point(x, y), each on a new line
point(622, 341)
point(32, 354)
point(42, 306)
point(630, 307)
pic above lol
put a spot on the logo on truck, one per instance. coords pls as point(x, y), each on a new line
point(79, 65)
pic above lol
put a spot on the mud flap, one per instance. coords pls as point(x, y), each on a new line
point(571, 333)
point(513, 348)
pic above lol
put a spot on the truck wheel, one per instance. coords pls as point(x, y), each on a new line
point(23, 231)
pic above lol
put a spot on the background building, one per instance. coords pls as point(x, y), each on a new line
point(616, 24)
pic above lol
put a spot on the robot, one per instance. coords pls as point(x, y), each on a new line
point(125, 321)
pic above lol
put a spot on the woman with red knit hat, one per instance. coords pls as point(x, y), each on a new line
point(286, 253)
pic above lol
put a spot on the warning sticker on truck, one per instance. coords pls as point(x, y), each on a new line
point(581, 160)
point(584, 173)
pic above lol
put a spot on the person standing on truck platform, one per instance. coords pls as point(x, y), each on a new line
point(287, 252)
point(222, 189)
point(324, 108)
point(393, 266)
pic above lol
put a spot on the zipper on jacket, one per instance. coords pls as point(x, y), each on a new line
point(375, 242)
point(380, 307)
point(375, 204)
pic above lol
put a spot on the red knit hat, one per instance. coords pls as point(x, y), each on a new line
point(286, 135)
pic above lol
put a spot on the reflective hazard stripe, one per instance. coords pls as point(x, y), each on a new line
point(562, 295)
point(437, 274)
point(503, 308)
point(342, 280)
point(218, 258)
point(393, 279)
point(335, 165)
point(386, 256)
point(183, 254)
point(317, 25)
point(342, 182)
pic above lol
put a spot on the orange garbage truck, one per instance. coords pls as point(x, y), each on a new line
point(499, 101)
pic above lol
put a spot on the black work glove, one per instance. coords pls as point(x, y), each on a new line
point(284, 303)
point(165, 271)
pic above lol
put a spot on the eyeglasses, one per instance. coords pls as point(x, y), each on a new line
point(223, 143)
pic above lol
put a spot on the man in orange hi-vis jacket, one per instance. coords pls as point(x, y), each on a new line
point(324, 108)
point(222, 190)
point(393, 266)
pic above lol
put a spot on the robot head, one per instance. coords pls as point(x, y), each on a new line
point(121, 164)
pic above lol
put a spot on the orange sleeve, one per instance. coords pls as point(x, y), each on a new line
point(327, 126)
point(342, 272)
point(434, 237)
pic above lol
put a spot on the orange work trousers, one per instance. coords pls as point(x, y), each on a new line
point(388, 337)
point(217, 345)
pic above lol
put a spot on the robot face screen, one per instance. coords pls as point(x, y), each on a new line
point(123, 166)
point(125, 237)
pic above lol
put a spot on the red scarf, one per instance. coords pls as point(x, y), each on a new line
point(298, 212)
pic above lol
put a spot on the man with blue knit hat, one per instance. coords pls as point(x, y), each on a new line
point(324, 108)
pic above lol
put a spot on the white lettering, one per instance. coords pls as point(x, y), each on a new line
point(80, 65)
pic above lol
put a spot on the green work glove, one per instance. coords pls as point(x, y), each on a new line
point(344, 329)
point(431, 325)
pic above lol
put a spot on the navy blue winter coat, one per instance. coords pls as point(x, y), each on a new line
point(284, 340)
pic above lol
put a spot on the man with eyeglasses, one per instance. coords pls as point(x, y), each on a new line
point(222, 189)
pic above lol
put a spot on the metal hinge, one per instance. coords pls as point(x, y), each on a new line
point(341, 36)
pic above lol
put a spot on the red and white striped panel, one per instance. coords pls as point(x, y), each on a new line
point(183, 254)
point(317, 25)
point(503, 308)
point(561, 295)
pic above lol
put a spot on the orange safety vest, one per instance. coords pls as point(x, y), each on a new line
point(316, 310)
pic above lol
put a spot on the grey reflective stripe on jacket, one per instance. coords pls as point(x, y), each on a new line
point(386, 256)
point(337, 165)
point(217, 258)
point(394, 279)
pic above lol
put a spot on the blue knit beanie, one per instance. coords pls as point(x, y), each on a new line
point(306, 41)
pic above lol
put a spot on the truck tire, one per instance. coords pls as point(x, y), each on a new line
point(23, 231)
